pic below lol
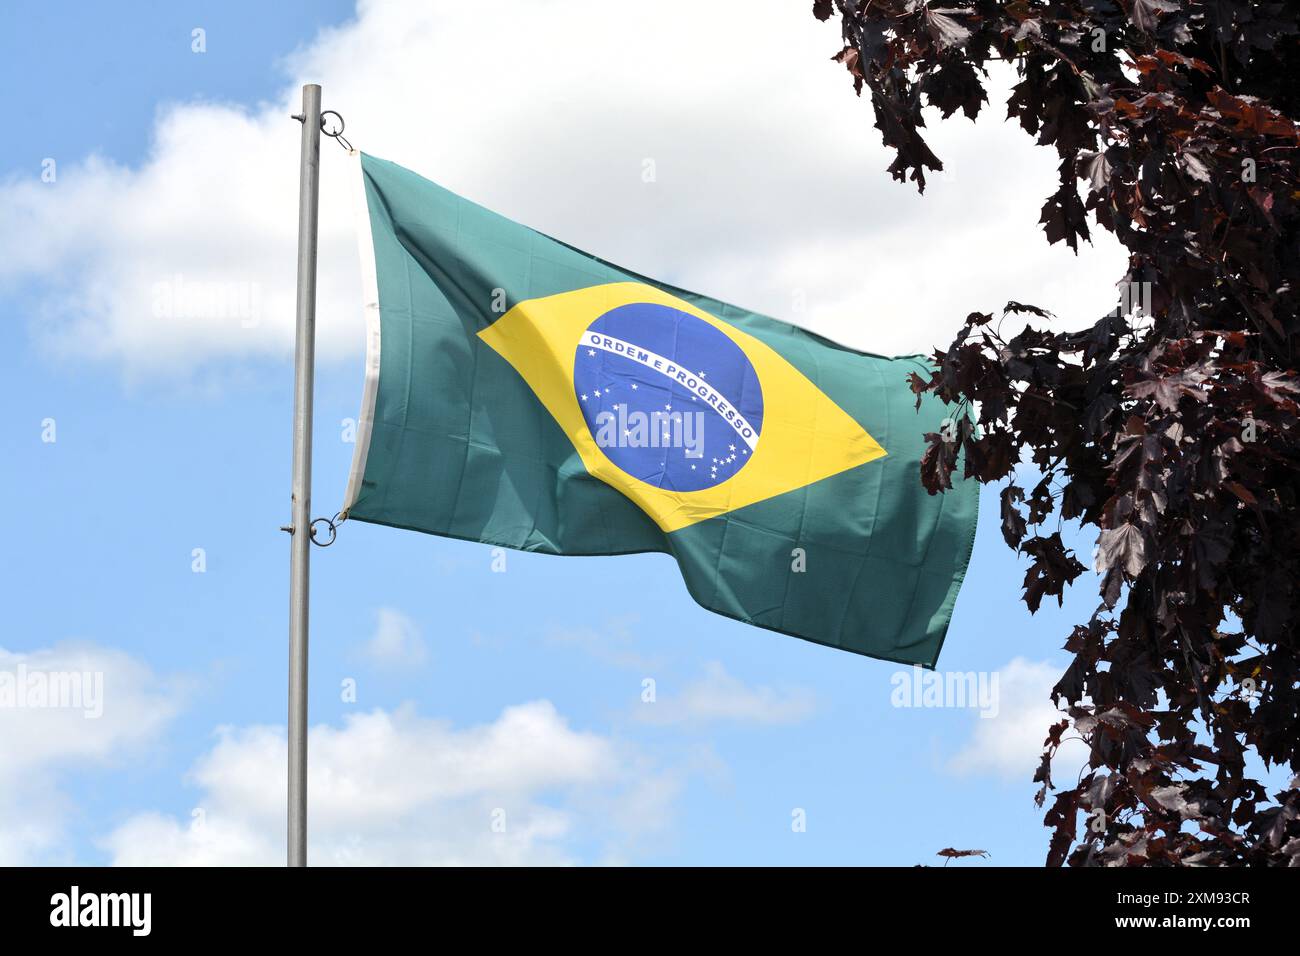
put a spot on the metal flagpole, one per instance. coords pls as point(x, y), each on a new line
point(304, 357)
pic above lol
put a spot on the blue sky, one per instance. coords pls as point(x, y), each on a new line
point(477, 691)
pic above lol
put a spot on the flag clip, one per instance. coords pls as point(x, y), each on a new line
point(336, 134)
point(332, 524)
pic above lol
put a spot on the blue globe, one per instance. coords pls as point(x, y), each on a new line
point(670, 399)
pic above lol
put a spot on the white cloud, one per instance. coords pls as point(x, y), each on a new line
point(396, 788)
point(720, 697)
point(65, 709)
point(769, 188)
point(1010, 743)
point(396, 642)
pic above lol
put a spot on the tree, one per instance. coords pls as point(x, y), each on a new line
point(1171, 428)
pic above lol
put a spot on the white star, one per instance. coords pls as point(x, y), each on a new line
point(598, 393)
point(692, 467)
point(668, 408)
point(635, 386)
point(591, 352)
point(584, 398)
point(702, 375)
point(731, 447)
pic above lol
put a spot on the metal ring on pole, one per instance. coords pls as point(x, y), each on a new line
point(338, 133)
point(332, 524)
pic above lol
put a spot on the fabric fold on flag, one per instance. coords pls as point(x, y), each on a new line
point(522, 393)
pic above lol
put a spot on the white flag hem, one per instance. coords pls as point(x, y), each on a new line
point(370, 300)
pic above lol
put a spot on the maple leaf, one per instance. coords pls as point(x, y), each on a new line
point(1123, 548)
point(946, 31)
point(1052, 569)
point(1095, 168)
point(1169, 389)
point(1064, 217)
point(1146, 13)
point(951, 854)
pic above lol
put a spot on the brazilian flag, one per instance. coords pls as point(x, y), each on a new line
point(522, 393)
